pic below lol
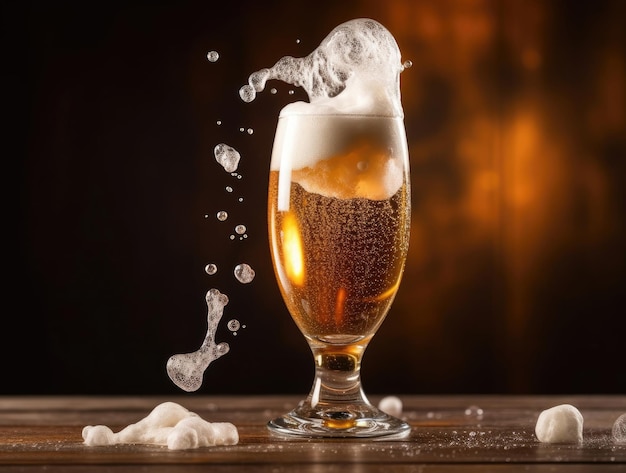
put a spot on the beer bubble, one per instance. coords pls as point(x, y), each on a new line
point(233, 325)
point(244, 273)
point(240, 229)
point(241, 129)
point(250, 131)
point(227, 156)
point(297, 41)
point(229, 189)
point(232, 237)
point(219, 122)
point(212, 56)
point(291, 92)
point(240, 199)
point(407, 64)
point(222, 215)
point(211, 269)
point(273, 91)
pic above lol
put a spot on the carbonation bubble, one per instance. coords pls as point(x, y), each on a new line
point(233, 325)
point(244, 273)
point(222, 215)
point(212, 56)
point(273, 91)
point(291, 92)
point(210, 269)
point(229, 189)
point(240, 229)
point(297, 41)
point(240, 199)
point(241, 129)
point(250, 131)
point(227, 156)
point(407, 64)
point(219, 122)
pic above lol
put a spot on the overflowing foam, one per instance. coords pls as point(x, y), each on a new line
point(355, 70)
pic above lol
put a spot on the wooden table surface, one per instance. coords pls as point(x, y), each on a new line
point(44, 434)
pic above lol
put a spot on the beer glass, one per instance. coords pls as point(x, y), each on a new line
point(339, 218)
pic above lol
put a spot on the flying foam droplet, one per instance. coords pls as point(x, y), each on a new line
point(240, 229)
point(227, 156)
point(222, 215)
point(244, 273)
point(186, 370)
point(233, 325)
point(247, 93)
point(212, 56)
point(210, 269)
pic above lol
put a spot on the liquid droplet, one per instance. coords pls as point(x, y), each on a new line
point(227, 156)
point(212, 56)
point(240, 199)
point(244, 273)
point(229, 189)
point(241, 129)
point(250, 131)
point(211, 269)
point(240, 229)
point(297, 41)
point(222, 215)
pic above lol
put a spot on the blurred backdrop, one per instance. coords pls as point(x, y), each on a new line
point(515, 113)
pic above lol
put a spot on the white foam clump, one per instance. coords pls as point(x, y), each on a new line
point(391, 405)
point(560, 424)
point(355, 70)
point(168, 424)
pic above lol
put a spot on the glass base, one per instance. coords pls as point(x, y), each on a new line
point(362, 421)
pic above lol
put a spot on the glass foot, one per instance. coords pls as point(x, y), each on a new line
point(336, 422)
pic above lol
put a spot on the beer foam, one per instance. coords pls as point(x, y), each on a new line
point(355, 70)
point(168, 424)
point(560, 424)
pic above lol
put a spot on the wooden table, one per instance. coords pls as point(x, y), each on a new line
point(44, 434)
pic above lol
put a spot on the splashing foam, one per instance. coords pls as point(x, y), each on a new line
point(186, 370)
point(355, 70)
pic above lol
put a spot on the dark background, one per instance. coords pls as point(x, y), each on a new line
point(515, 115)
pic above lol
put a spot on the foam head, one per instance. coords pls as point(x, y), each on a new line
point(355, 70)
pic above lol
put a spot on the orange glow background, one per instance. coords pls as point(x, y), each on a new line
point(516, 120)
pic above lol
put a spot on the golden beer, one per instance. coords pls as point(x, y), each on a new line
point(339, 219)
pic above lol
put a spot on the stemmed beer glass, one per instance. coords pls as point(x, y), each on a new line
point(339, 218)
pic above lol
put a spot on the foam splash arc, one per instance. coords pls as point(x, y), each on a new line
point(186, 370)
